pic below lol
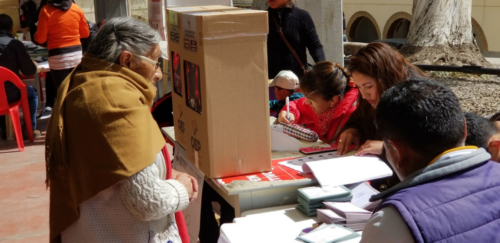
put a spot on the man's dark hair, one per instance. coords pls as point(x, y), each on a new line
point(422, 114)
point(6, 23)
point(495, 117)
point(479, 130)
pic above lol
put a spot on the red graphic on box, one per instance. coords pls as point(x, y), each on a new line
point(278, 173)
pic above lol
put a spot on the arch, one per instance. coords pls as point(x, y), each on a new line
point(479, 36)
point(362, 27)
point(141, 18)
point(396, 20)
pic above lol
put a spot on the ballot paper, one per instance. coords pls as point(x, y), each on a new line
point(297, 164)
point(352, 213)
point(347, 170)
point(328, 233)
point(355, 217)
point(316, 193)
point(361, 195)
point(327, 216)
point(283, 142)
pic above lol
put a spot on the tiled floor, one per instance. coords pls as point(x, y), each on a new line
point(24, 200)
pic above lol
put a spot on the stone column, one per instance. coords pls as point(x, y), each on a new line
point(327, 16)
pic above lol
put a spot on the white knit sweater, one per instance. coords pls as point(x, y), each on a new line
point(137, 209)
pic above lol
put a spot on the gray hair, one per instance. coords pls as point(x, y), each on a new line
point(123, 34)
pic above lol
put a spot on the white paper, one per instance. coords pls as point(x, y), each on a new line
point(283, 142)
point(192, 213)
point(330, 214)
point(361, 195)
point(315, 192)
point(346, 207)
point(296, 164)
point(43, 64)
point(327, 234)
point(347, 170)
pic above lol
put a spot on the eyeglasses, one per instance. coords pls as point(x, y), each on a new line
point(156, 64)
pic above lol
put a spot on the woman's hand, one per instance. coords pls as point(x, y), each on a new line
point(282, 118)
point(371, 147)
point(189, 182)
point(348, 137)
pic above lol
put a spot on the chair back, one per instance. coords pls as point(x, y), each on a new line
point(7, 75)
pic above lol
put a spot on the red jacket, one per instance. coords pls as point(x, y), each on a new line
point(304, 114)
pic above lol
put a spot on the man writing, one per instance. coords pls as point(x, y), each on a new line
point(449, 192)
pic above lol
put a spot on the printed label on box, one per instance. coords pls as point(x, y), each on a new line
point(176, 73)
point(173, 26)
point(189, 27)
point(193, 86)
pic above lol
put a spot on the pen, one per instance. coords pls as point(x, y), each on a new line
point(288, 108)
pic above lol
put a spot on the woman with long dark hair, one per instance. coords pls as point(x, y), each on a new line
point(375, 68)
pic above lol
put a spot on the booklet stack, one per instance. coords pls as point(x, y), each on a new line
point(361, 196)
point(330, 233)
point(311, 198)
point(355, 217)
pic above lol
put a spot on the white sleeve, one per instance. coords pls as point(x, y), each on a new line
point(387, 226)
point(148, 197)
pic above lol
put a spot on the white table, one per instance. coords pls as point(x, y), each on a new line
point(247, 195)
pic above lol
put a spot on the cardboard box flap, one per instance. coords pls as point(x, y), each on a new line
point(230, 24)
point(198, 8)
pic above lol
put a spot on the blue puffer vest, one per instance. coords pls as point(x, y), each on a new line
point(460, 207)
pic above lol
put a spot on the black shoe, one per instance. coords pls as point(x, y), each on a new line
point(45, 114)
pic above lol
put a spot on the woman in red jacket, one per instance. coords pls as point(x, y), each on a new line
point(330, 98)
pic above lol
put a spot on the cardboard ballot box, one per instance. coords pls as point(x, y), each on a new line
point(220, 90)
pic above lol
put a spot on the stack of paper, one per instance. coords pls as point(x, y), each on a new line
point(330, 233)
point(355, 216)
point(361, 196)
point(312, 198)
point(327, 216)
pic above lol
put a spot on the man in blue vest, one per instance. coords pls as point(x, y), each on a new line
point(448, 192)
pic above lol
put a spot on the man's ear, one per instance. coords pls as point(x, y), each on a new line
point(399, 152)
point(126, 59)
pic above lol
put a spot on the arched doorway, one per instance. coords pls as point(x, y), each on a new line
point(362, 27)
point(398, 29)
point(397, 26)
point(479, 35)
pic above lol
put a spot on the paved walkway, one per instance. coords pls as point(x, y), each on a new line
point(24, 201)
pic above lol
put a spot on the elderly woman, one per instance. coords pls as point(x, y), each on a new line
point(106, 158)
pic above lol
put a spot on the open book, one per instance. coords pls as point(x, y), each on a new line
point(347, 170)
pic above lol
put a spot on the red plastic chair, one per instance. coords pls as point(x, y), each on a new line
point(13, 108)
